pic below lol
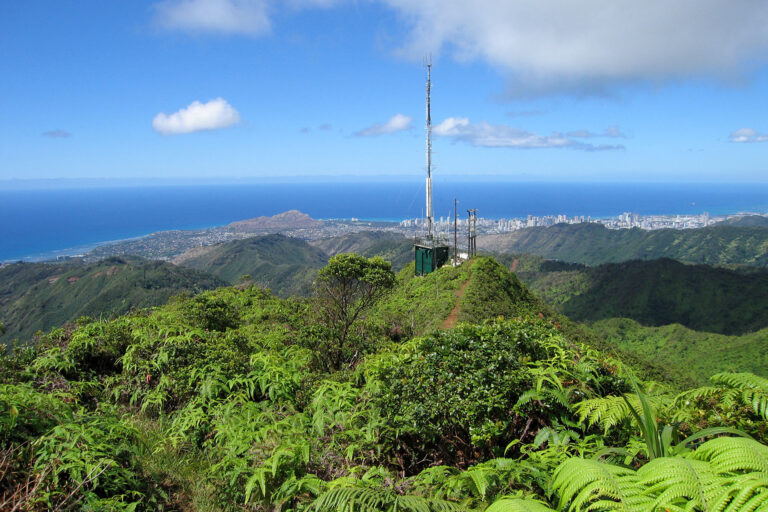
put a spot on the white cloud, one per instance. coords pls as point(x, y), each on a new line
point(588, 46)
point(396, 123)
point(243, 17)
point(748, 135)
point(544, 47)
point(502, 136)
point(214, 115)
point(612, 132)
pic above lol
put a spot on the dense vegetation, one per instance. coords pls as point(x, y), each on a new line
point(593, 244)
point(694, 354)
point(227, 401)
point(285, 265)
point(39, 296)
point(657, 292)
point(390, 246)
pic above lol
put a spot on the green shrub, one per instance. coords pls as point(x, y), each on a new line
point(452, 394)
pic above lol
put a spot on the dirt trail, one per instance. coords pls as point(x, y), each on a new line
point(514, 265)
point(450, 320)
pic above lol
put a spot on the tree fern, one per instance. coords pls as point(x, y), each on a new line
point(588, 484)
point(740, 380)
point(510, 504)
point(734, 454)
point(609, 411)
point(367, 499)
point(294, 488)
point(723, 474)
point(754, 389)
point(747, 493)
point(681, 482)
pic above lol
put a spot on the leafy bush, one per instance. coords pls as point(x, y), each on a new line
point(451, 395)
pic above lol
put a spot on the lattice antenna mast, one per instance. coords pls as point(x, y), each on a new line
point(429, 149)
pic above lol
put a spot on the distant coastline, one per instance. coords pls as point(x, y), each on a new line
point(42, 224)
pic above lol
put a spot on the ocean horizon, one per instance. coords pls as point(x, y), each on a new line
point(37, 224)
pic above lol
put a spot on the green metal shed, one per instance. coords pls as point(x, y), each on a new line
point(429, 257)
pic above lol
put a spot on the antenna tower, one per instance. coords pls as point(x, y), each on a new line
point(471, 232)
point(429, 149)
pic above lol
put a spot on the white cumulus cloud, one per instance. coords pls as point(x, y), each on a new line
point(748, 135)
point(588, 46)
point(213, 115)
point(546, 46)
point(243, 17)
point(396, 123)
point(488, 135)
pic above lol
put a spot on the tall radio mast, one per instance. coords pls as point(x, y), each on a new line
point(429, 150)
point(429, 255)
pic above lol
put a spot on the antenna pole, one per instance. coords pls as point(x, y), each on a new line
point(455, 232)
point(429, 149)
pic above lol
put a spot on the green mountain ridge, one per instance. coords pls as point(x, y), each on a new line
point(695, 354)
point(39, 296)
point(657, 292)
point(593, 244)
point(390, 246)
point(288, 265)
point(283, 264)
point(480, 290)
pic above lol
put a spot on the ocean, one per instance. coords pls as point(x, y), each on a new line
point(43, 223)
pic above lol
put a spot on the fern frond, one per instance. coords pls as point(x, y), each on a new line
point(585, 482)
point(758, 399)
point(294, 488)
point(677, 481)
point(740, 380)
point(433, 477)
point(508, 504)
point(610, 411)
point(367, 499)
point(747, 493)
point(734, 455)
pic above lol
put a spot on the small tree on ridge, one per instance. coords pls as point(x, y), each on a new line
point(347, 286)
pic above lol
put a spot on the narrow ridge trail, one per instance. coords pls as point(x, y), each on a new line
point(450, 320)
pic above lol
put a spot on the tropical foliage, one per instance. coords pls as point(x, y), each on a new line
point(226, 401)
point(39, 296)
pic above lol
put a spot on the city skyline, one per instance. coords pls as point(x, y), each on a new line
point(227, 90)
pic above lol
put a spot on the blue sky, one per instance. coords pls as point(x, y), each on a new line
point(230, 89)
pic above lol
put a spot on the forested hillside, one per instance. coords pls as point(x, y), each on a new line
point(288, 265)
point(390, 246)
point(694, 354)
point(283, 264)
point(237, 400)
point(39, 296)
point(593, 244)
point(35, 296)
point(657, 292)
